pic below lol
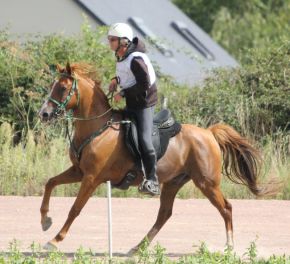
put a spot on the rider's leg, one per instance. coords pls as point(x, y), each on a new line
point(145, 128)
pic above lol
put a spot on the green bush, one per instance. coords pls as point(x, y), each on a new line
point(241, 25)
point(254, 99)
point(146, 255)
point(27, 166)
point(24, 70)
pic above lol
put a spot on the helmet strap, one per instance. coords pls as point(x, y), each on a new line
point(119, 47)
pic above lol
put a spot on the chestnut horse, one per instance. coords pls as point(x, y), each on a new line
point(194, 154)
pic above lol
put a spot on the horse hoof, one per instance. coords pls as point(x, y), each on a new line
point(50, 246)
point(230, 240)
point(229, 246)
point(46, 223)
point(132, 251)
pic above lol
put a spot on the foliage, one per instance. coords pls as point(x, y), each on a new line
point(254, 99)
point(27, 166)
point(24, 70)
point(146, 255)
point(241, 25)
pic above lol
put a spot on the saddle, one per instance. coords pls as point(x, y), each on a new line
point(164, 127)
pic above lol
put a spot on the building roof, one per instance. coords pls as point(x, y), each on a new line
point(179, 46)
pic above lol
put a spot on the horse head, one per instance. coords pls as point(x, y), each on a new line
point(63, 95)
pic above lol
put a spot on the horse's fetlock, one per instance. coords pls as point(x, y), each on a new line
point(60, 237)
point(43, 211)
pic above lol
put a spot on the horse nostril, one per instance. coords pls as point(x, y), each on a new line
point(45, 115)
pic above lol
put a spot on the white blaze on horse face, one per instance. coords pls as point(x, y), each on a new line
point(45, 105)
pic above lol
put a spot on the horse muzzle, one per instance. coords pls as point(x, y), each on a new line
point(46, 113)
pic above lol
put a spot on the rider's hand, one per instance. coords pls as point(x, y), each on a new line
point(117, 98)
point(113, 85)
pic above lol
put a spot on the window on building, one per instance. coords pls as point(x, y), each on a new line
point(184, 31)
point(140, 25)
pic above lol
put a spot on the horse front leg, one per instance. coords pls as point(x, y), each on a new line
point(88, 186)
point(71, 175)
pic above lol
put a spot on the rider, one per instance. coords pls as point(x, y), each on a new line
point(136, 77)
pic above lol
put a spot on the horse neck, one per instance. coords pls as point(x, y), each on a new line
point(93, 103)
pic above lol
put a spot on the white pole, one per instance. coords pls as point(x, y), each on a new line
point(109, 218)
point(165, 103)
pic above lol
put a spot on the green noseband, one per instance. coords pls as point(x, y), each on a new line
point(62, 105)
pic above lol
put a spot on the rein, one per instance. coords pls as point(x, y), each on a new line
point(68, 116)
point(94, 117)
point(62, 105)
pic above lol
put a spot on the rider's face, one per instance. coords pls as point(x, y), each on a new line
point(113, 42)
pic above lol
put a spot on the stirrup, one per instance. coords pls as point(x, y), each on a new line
point(149, 187)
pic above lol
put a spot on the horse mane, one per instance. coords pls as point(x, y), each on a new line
point(86, 71)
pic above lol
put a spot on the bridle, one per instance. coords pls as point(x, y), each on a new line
point(61, 105)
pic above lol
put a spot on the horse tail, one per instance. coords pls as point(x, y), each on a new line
point(241, 160)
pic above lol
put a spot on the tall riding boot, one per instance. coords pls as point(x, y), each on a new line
point(150, 185)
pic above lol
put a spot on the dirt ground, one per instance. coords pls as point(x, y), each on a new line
point(193, 221)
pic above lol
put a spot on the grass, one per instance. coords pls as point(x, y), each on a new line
point(26, 167)
point(145, 255)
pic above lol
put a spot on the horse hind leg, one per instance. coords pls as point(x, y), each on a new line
point(168, 193)
point(71, 175)
point(214, 194)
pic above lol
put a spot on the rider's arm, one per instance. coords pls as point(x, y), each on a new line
point(140, 71)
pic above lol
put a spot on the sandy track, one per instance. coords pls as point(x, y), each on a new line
point(192, 221)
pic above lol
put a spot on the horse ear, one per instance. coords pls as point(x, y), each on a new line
point(59, 68)
point(68, 68)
